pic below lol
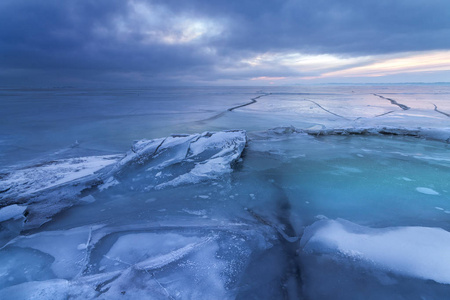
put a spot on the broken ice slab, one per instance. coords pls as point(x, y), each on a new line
point(51, 187)
point(181, 159)
point(108, 263)
point(412, 251)
point(14, 212)
point(22, 184)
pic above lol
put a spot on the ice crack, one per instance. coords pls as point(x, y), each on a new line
point(253, 100)
point(441, 112)
point(402, 106)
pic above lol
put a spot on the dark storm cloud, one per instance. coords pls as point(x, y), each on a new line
point(53, 35)
point(331, 26)
point(153, 38)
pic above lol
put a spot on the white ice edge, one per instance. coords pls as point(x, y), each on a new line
point(56, 173)
point(420, 252)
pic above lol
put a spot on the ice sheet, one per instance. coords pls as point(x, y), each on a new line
point(217, 211)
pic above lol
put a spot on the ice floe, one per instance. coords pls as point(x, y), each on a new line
point(186, 159)
point(420, 252)
point(31, 180)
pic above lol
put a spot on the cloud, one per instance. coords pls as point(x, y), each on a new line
point(199, 40)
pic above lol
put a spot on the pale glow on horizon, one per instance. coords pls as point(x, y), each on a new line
point(268, 78)
point(429, 61)
point(332, 66)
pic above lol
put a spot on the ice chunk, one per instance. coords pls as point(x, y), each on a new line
point(12, 212)
point(144, 150)
point(50, 289)
point(141, 150)
point(426, 191)
point(52, 186)
point(54, 289)
point(420, 252)
point(182, 159)
point(131, 249)
point(212, 154)
point(111, 181)
point(225, 141)
point(162, 260)
point(33, 179)
point(64, 246)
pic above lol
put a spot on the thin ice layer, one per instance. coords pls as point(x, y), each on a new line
point(420, 252)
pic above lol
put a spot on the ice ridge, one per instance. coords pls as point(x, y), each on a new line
point(441, 134)
point(50, 187)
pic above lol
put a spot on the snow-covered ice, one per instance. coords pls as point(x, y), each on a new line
point(28, 181)
point(422, 252)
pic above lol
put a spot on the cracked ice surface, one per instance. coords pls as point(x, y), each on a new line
point(321, 183)
point(172, 161)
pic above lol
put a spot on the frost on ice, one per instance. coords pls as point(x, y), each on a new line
point(184, 159)
point(51, 187)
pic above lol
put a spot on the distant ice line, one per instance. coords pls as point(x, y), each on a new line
point(442, 135)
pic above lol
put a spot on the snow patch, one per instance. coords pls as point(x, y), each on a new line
point(427, 191)
point(420, 252)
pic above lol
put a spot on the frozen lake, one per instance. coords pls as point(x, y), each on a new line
point(308, 192)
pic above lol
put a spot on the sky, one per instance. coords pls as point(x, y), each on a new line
point(232, 42)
